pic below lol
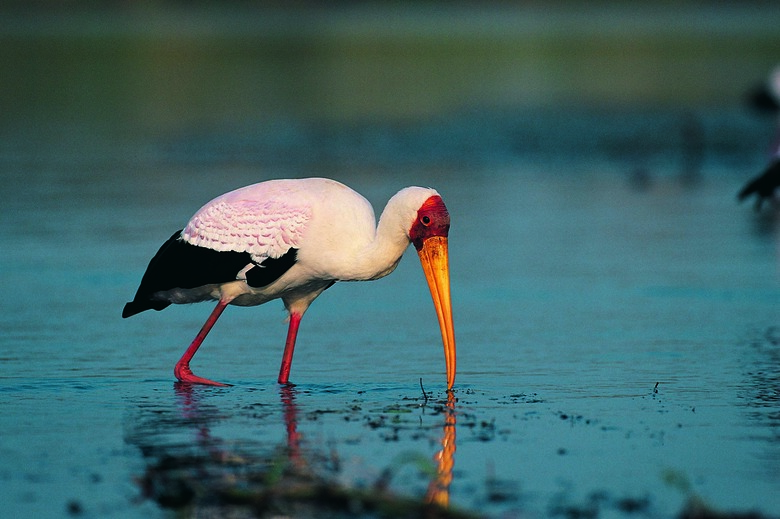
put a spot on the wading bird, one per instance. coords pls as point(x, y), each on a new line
point(291, 240)
point(766, 186)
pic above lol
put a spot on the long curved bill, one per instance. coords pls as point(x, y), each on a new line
point(434, 258)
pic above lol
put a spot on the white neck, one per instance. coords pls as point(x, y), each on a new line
point(381, 256)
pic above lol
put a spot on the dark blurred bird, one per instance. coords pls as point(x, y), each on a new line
point(765, 97)
point(766, 186)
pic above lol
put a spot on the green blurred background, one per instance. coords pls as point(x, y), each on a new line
point(168, 65)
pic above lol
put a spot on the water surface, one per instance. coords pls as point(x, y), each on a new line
point(616, 314)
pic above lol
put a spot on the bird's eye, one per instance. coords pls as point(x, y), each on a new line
point(426, 220)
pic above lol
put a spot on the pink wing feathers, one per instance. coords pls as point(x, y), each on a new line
point(264, 228)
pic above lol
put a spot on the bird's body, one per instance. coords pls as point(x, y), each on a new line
point(766, 186)
point(290, 240)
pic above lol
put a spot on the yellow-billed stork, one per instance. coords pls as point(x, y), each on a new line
point(291, 240)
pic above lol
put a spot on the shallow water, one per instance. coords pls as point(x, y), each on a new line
point(616, 314)
point(609, 335)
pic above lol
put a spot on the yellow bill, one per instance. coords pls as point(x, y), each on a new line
point(434, 258)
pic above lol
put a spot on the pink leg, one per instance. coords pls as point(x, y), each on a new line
point(289, 346)
point(182, 369)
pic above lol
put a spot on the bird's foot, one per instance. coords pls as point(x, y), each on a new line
point(185, 374)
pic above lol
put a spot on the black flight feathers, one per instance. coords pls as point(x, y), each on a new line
point(763, 185)
point(179, 264)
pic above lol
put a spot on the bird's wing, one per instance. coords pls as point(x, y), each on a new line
point(764, 185)
point(181, 265)
point(263, 228)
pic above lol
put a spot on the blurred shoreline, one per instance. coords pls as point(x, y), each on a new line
point(162, 65)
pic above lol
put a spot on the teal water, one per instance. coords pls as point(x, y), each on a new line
point(616, 313)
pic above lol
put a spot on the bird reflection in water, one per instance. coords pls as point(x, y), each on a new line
point(287, 393)
point(224, 476)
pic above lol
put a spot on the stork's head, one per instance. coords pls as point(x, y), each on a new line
point(429, 233)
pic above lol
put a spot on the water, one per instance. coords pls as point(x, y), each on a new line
point(616, 314)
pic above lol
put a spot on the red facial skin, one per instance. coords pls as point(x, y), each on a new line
point(433, 219)
point(429, 235)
